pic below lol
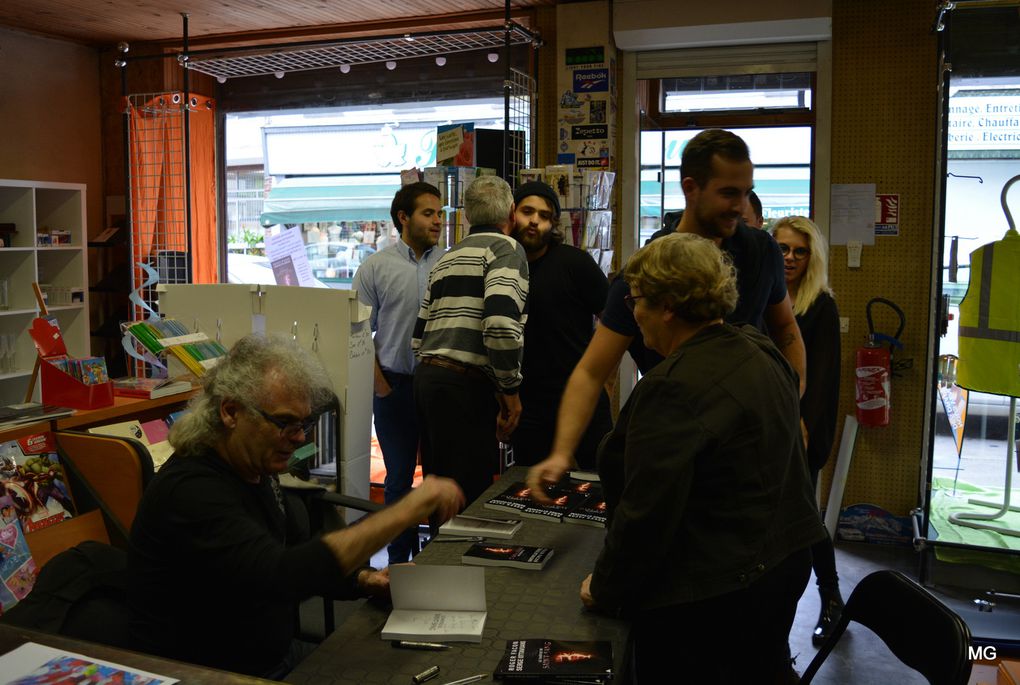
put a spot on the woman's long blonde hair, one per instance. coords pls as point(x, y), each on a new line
point(816, 276)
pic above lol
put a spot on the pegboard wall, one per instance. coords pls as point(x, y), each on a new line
point(884, 109)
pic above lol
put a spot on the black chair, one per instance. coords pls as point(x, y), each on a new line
point(921, 631)
point(319, 509)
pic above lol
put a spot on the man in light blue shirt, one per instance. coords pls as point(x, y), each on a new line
point(393, 282)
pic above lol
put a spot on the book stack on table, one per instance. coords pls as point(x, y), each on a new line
point(573, 501)
point(503, 529)
point(149, 388)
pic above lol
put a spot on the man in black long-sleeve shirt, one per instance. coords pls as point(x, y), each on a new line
point(219, 556)
point(566, 291)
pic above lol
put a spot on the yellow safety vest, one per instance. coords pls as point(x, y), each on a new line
point(990, 320)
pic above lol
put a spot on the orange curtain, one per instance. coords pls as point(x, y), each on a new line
point(204, 261)
point(157, 183)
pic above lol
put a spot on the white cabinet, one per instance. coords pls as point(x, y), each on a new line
point(331, 323)
point(38, 208)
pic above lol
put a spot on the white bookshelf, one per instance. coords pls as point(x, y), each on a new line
point(35, 207)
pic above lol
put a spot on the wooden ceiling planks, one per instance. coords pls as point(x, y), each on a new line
point(107, 22)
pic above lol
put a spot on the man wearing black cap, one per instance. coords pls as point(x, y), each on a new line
point(567, 291)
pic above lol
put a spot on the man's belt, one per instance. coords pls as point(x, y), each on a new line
point(445, 363)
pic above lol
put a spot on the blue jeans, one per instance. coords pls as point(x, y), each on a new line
point(396, 426)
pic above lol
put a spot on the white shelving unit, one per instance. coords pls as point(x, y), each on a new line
point(330, 323)
point(36, 207)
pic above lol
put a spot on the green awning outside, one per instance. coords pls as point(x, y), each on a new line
point(330, 198)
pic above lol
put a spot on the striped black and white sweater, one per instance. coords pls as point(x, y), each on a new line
point(476, 306)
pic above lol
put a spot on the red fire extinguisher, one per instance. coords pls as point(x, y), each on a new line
point(873, 371)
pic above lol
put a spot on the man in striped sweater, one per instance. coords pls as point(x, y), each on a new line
point(469, 338)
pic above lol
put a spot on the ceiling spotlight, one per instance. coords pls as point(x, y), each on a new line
point(440, 61)
point(278, 74)
point(221, 79)
point(345, 68)
point(493, 57)
point(391, 65)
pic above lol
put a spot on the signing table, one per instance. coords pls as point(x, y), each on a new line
point(521, 604)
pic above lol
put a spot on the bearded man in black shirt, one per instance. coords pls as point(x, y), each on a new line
point(567, 292)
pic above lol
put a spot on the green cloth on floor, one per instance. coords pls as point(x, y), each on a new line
point(949, 498)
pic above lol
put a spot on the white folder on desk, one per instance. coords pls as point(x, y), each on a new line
point(438, 603)
point(159, 451)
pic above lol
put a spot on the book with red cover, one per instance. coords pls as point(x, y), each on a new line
point(148, 388)
point(542, 660)
point(591, 512)
point(566, 496)
point(513, 556)
point(515, 498)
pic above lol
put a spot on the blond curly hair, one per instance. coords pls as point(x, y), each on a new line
point(686, 274)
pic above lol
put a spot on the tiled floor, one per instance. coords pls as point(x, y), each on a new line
point(860, 656)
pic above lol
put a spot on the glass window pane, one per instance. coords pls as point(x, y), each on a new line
point(735, 93)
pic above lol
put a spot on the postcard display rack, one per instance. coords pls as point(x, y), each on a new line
point(43, 229)
point(331, 323)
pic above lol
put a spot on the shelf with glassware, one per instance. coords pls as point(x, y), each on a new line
point(43, 234)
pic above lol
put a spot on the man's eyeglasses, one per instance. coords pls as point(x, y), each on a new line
point(799, 253)
point(629, 300)
point(290, 429)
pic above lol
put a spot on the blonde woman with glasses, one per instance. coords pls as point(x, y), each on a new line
point(805, 260)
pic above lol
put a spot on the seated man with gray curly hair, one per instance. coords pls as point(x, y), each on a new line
point(220, 557)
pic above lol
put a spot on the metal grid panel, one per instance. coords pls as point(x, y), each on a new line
point(521, 91)
point(156, 176)
point(352, 52)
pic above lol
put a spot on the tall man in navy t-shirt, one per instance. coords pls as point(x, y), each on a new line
point(716, 176)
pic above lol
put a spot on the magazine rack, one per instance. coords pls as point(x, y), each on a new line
point(59, 387)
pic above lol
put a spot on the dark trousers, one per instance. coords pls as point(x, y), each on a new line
point(533, 438)
point(396, 426)
point(741, 637)
point(457, 416)
point(823, 557)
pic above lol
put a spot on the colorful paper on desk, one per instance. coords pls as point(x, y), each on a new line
point(32, 664)
point(160, 450)
point(155, 431)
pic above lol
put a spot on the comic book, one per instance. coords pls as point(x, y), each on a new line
point(32, 476)
point(17, 568)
